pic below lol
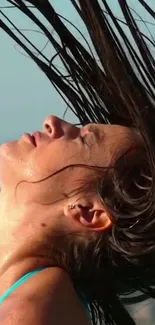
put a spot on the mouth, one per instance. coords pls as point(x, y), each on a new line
point(36, 138)
point(30, 138)
point(33, 140)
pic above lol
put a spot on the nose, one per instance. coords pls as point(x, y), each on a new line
point(54, 127)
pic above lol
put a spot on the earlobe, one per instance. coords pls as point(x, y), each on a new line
point(102, 221)
point(98, 220)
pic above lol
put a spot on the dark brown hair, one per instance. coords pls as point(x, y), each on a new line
point(115, 85)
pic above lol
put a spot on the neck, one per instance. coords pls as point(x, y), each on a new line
point(19, 253)
point(9, 274)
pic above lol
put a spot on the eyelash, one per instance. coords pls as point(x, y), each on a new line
point(83, 139)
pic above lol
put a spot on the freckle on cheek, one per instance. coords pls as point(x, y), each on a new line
point(43, 224)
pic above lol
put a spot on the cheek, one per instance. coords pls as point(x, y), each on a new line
point(49, 159)
point(41, 190)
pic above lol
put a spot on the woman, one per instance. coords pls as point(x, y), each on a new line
point(53, 221)
point(101, 189)
point(57, 217)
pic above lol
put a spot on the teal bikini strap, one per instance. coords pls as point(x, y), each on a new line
point(29, 275)
point(85, 304)
point(18, 283)
point(84, 301)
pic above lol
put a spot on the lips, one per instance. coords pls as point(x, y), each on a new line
point(29, 138)
point(36, 138)
point(33, 140)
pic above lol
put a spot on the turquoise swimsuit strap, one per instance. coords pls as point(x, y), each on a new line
point(26, 277)
point(19, 282)
point(85, 304)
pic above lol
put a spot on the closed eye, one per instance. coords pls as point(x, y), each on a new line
point(83, 138)
point(88, 139)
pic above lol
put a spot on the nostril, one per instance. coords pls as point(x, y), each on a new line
point(48, 128)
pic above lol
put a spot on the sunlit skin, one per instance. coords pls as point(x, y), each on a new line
point(39, 209)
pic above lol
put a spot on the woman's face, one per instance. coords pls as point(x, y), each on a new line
point(59, 144)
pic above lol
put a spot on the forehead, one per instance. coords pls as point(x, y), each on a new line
point(113, 140)
point(113, 128)
point(109, 132)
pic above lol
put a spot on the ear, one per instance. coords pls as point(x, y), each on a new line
point(89, 214)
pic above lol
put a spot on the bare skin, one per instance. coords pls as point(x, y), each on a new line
point(28, 220)
point(46, 299)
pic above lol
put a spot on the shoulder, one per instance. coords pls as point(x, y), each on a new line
point(47, 298)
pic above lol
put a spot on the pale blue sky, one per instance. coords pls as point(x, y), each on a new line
point(26, 95)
